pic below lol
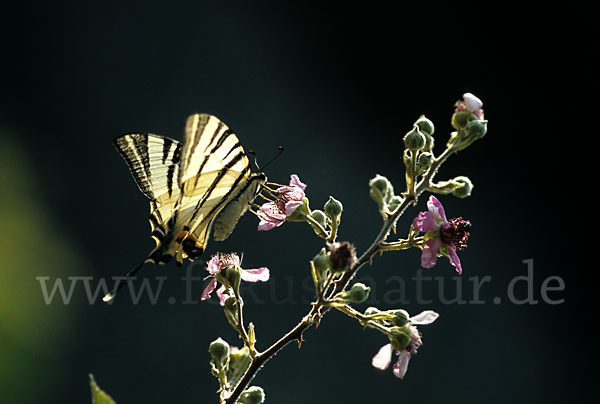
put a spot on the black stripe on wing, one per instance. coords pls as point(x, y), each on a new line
point(153, 161)
point(141, 148)
point(166, 149)
point(213, 185)
point(220, 142)
point(205, 136)
point(201, 125)
point(226, 197)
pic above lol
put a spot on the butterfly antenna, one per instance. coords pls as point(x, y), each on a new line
point(124, 281)
point(252, 152)
point(281, 150)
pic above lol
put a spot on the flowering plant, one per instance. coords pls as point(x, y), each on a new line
point(333, 268)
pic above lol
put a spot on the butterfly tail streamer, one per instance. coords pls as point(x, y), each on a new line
point(124, 281)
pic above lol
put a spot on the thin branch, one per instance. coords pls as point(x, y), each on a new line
point(351, 312)
point(318, 309)
point(318, 226)
point(390, 223)
point(333, 233)
point(240, 312)
point(262, 357)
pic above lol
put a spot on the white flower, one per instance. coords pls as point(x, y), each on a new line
point(472, 103)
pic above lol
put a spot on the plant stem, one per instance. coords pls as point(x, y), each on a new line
point(391, 222)
point(262, 357)
point(317, 226)
point(333, 233)
point(362, 319)
point(241, 327)
point(318, 309)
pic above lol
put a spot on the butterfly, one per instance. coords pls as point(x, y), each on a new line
point(200, 186)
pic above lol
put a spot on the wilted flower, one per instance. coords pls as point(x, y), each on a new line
point(273, 214)
point(452, 235)
point(342, 255)
point(471, 104)
point(219, 263)
point(383, 358)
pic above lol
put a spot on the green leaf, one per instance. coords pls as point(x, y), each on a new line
point(99, 396)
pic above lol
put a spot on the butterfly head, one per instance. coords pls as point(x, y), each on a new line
point(258, 180)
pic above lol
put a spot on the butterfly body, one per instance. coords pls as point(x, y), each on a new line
point(195, 186)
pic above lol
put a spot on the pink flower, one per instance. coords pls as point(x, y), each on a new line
point(452, 235)
point(471, 104)
point(219, 263)
point(273, 214)
point(383, 357)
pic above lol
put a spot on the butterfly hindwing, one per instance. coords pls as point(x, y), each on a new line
point(228, 217)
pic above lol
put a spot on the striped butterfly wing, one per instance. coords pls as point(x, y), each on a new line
point(214, 169)
point(154, 163)
point(228, 217)
point(188, 186)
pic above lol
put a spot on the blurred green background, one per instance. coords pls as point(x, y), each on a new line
point(338, 86)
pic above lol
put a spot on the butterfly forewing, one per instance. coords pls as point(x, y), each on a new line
point(209, 146)
point(214, 168)
point(154, 163)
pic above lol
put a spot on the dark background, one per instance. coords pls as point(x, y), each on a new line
point(338, 86)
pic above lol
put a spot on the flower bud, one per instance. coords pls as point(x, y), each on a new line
point(381, 190)
point(394, 202)
point(430, 141)
point(389, 194)
point(377, 196)
point(460, 119)
point(359, 293)
point(401, 318)
point(342, 256)
point(251, 336)
point(465, 188)
point(425, 125)
point(372, 310)
point(381, 183)
point(239, 361)
point(230, 304)
point(333, 209)
point(425, 161)
point(322, 262)
point(299, 215)
point(471, 102)
point(319, 217)
point(414, 140)
point(477, 129)
point(401, 337)
point(231, 311)
point(252, 395)
point(219, 350)
point(444, 187)
point(234, 276)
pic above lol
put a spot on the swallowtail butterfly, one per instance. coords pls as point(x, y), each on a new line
point(200, 186)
